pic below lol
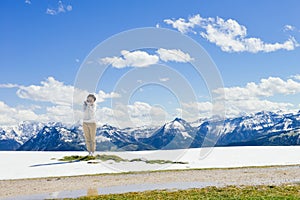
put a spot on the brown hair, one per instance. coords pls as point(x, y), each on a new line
point(93, 96)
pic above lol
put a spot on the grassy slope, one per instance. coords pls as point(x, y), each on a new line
point(104, 157)
point(229, 192)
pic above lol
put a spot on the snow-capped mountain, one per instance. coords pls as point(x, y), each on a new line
point(60, 137)
point(173, 135)
point(112, 138)
point(54, 138)
point(262, 124)
point(263, 128)
point(13, 137)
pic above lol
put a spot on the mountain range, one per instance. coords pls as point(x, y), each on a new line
point(263, 128)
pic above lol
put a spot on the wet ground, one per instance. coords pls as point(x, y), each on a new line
point(75, 186)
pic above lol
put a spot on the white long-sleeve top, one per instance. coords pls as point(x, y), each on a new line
point(89, 111)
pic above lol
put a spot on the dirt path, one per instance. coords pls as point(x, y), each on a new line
point(240, 176)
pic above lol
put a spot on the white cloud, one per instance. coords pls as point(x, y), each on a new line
point(61, 8)
point(201, 106)
point(56, 92)
point(69, 8)
point(52, 91)
point(289, 28)
point(143, 59)
point(296, 77)
point(192, 111)
point(101, 95)
point(252, 97)
point(266, 88)
point(164, 79)
point(8, 85)
point(248, 99)
point(58, 113)
point(173, 55)
point(229, 35)
point(235, 108)
point(144, 114)
point(27, 1)
point(131, 59)
point(12, 116)
point(183, 25)
point(50, 11)
point(61, 113)
point(138, 109)
point(133, 115)
point(49, 90)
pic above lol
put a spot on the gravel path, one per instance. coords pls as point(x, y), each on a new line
point(237, 176)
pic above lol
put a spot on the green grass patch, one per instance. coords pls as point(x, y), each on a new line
point(72, 158)
point(102, 157)
point(105, 157)
point(211, 193)
point(164, 162)
point(137, 160)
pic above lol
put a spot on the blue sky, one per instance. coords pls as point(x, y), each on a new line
point(47, 41)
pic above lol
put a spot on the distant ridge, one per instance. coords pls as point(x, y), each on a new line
point(260, 129)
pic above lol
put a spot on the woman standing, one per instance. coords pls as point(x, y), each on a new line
point(89, 123)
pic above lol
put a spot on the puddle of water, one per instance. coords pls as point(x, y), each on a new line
point(116, 190)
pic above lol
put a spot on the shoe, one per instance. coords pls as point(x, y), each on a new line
point(91, 154)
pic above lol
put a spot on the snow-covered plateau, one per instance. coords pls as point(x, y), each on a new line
point(32, 164)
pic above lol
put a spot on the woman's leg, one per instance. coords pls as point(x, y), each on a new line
point(93, 129)
point(87, 136)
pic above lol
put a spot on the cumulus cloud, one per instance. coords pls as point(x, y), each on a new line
point(289, 28)
point(253, 97)
point(266, 88)
point(133, 59)
point(12, 116)
point(296, 77)
point(228, 34)
point(56, 92)
point(250, 98)
point(201, 106)
point(60, 96)
point(61, 8)
point(236, 108)
point(142, 113)
point(49, 90)
point(192, 111)
point(136, 114)
point(58, 113)
point(175, 55)
point(143, 59)
point(183, 25)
